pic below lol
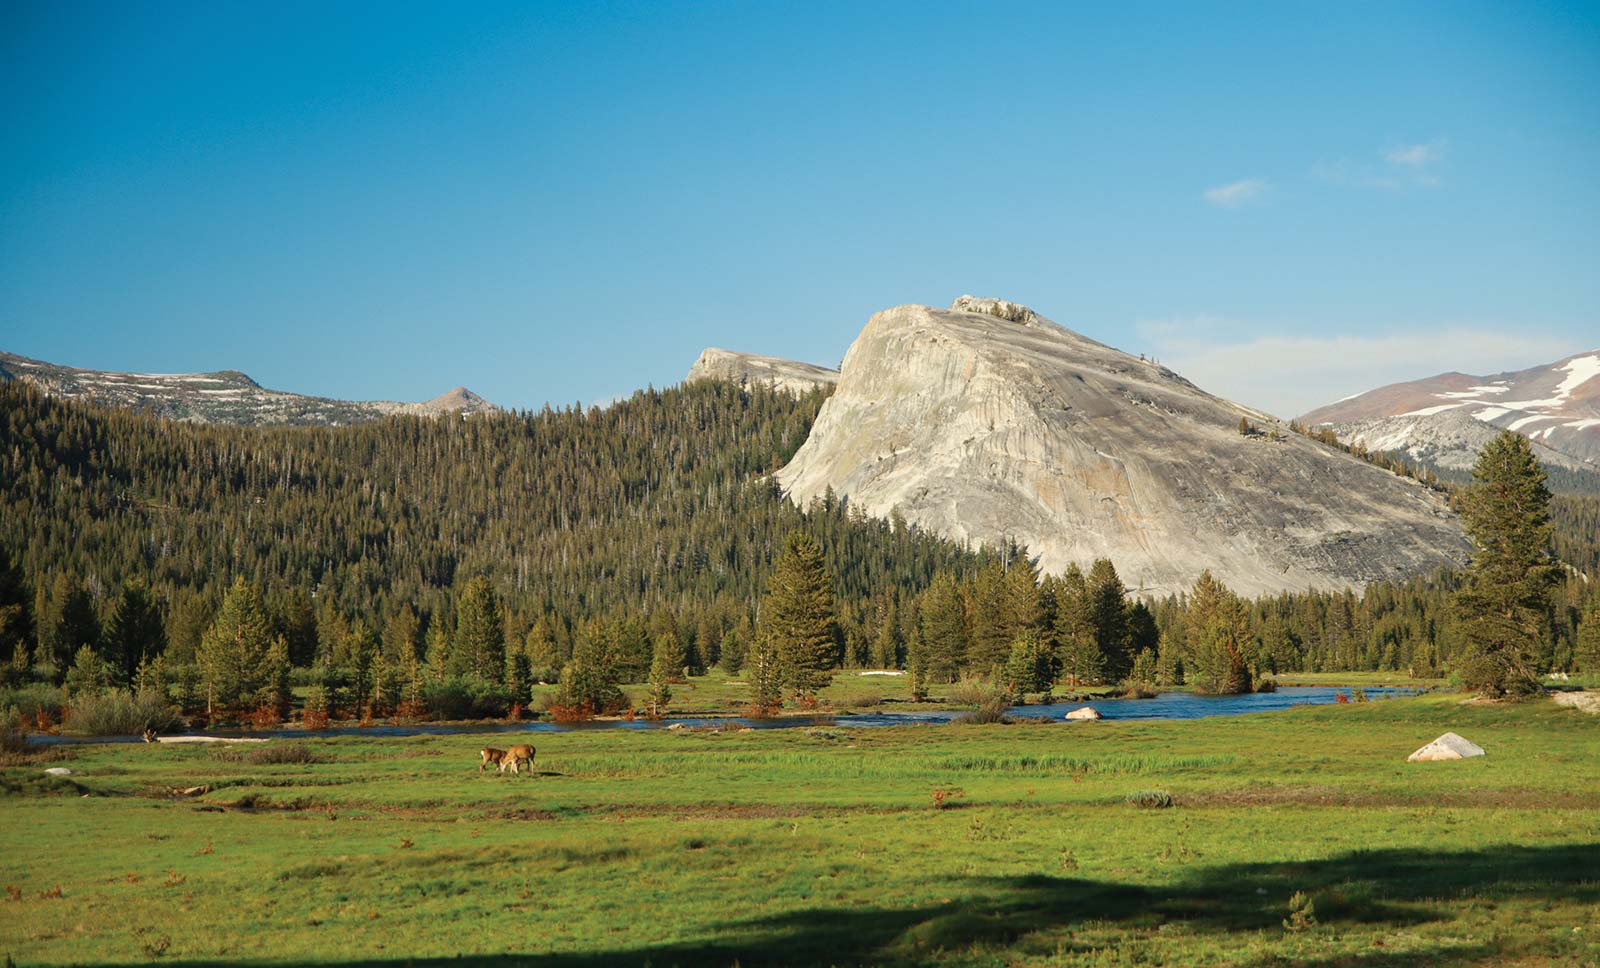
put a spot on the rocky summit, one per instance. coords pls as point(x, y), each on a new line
point(747, 368)
point(987, 422)
point(1556, 405)
point(223, 397)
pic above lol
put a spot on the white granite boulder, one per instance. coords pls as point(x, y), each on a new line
point(1084, 712)
point(1447, 747)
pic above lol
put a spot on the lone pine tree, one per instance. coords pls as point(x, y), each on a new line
point(797, 615)
point(1504, 602)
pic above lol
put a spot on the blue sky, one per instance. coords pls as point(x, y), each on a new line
point(1287, 202)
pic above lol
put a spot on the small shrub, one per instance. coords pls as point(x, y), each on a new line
point(1341, 698)
point(1302, 913)
point(759, 710)
point(32, 704)
point(976, 692)
point(118, 712)
point(1358, 695)
point(14, 741)
point(1266, 685)
point(265, 716)
point(989, 712)
point(827, 734)
point(1150, 799)
point(315, 715)
point(467, 698)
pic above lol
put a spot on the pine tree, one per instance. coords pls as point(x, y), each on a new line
point(1586, 651)
point(797, 615)
point(1504, 601)
point(70, 623)
point(1108, 606)
point(540, 647)
point(1021, 603)
point(1220, 640)
point(1077, 648)
point(233, 652)
point(664, 664)
point(136, 632)
point(16, 610)
point(480, 631)
point(764, 670)
point(987, 642)
point(941, 640)
point(1027, 668)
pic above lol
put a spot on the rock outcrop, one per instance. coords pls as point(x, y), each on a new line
point(1082, 713)
point(748, 368)
point(1447, 747)
point(223, 397)
point(987, 422)
point(1557, 405)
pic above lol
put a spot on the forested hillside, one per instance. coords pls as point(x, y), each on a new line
point(655, 502)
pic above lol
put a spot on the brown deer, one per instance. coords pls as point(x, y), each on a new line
point(517, 755)
point(489, 755)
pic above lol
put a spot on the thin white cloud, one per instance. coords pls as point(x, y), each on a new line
point(1415, 156)
point(1288, 376)
point(1403, 166)
point(1235, 194)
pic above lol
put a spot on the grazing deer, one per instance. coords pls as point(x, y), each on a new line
point(489, 755)
point(517, 755)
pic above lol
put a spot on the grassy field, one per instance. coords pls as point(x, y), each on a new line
point(930, 845)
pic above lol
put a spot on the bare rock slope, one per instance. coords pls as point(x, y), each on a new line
point(224, 397)
point(747, 368)
point(1557, 405)
point(986, 421)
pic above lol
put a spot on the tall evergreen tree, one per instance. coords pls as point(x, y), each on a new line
point(136, 632)
point(1022, 601)
point(940, 644)
point(1503, 604)
point(1586, 650)
point(233, 652)
point(1218, 661)
point(797, 614)
point(1108, 605)
point(988, 643)
point(70, 623)
point(480, 631)
point(16, 609)
point(1078, 652)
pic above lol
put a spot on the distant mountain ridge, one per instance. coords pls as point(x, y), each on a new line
point(220, 397)
point(1556, 405)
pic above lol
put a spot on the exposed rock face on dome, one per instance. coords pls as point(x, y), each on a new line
point(987, 422)
point(747, 368)
point(1447, 747)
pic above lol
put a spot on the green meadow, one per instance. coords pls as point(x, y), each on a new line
point(1292, 838)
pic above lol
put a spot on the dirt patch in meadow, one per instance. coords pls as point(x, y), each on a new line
point(1327, 796)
